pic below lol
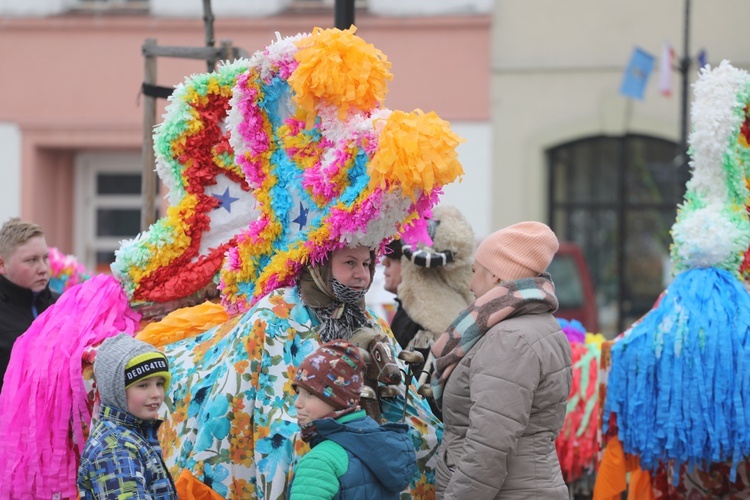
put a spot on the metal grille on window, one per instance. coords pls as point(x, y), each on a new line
point(615, 197)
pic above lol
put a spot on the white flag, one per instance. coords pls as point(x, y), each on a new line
point(666, 65)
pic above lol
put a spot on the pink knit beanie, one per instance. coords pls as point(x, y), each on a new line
point(523, 250)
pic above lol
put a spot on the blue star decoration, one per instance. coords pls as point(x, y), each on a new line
point(225, 200)
point(302, 217)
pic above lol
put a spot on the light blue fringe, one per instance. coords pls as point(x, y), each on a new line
point(680, 379)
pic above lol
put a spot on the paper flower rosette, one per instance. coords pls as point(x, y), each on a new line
point(65, 271)
point(677, 382)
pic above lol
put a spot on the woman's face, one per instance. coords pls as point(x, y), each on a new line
point(482, 281)
point(351, 266)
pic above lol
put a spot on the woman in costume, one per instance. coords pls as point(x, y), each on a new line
point(335, 175)
point(503, 374)
point(273, 174)
point(234, 384)
point(335, 292)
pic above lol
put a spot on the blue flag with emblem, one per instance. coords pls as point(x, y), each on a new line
point(636, 74)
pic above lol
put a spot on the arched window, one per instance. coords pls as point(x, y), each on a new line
point(616, 197)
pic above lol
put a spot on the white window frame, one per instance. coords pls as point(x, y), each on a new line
point(87, 166)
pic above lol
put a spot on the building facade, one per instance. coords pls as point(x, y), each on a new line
point(605, 171)
point(532, 86)
point(71, 114)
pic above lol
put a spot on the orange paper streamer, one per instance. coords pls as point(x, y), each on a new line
point(183, 323)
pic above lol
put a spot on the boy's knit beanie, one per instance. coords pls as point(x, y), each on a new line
point(120, 362)
point(523, 250)
point(333, 373)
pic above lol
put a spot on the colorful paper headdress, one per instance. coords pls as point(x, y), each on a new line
point(329, 165)
point(65, 271)
point(712, 228)
point(316, 162)
point(210, 201)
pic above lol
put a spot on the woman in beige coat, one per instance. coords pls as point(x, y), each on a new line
point(503, 374)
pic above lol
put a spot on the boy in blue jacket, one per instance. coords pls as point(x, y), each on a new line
point(122, 456)
point(352, 456)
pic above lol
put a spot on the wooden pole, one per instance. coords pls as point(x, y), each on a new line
point(208, 25)
point(684, 173)
point(227, 51)
point(148, 175)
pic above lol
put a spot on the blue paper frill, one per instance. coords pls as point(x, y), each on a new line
point(679, 383)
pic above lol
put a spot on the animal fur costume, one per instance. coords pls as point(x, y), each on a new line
point(433, 296)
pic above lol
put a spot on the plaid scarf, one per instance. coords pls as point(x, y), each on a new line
point(501, 302)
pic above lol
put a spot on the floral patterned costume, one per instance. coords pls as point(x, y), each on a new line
point(234, 422)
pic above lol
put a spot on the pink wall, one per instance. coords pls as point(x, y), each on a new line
point(75, 83)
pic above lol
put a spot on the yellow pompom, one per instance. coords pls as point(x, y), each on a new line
point(416, 151)
point(340, 69)
point(596, 339)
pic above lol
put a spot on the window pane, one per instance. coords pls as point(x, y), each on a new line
point(118, 222)
point(605, 171)
point(580, 169)
point(652, 176)
point(647, 267)
point(103, 260)
point(559, 162)
point(118, 184)
point(586, 172)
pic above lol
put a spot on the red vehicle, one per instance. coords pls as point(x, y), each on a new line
point(574, 288)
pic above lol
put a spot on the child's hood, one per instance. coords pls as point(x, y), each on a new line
point(109, 367)
point(386, 449)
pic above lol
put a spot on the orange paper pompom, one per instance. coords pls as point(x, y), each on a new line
point(418, 149)
point(339, 69)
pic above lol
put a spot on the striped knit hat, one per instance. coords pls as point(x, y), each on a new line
point(523, 250)
point(120, 362)
point(147, 365)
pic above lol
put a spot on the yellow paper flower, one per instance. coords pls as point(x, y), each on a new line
point(415, 150)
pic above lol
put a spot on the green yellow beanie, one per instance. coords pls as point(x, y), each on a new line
point(147, 365)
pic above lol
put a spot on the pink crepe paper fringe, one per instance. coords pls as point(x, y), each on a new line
point(43, 405)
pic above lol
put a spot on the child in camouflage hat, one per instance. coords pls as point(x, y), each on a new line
point(352, 456)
